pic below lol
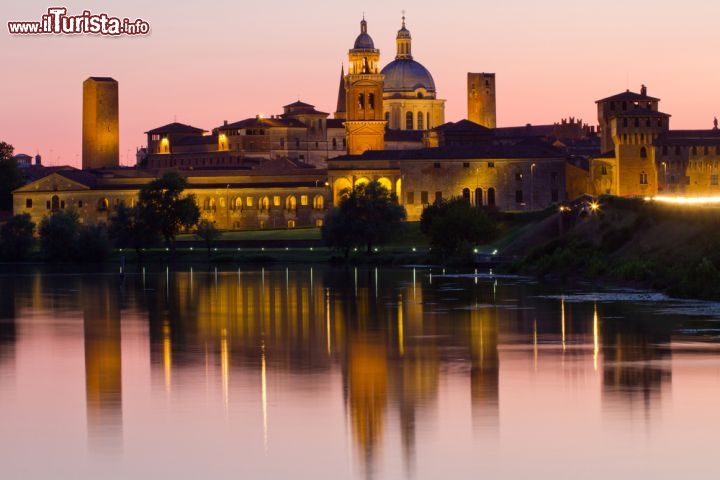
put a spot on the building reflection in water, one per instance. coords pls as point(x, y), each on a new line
point(636, 362)
point(103, 361)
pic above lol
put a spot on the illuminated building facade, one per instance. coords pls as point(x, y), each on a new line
point(643, 157)
point(481, 99)
point(275, 194)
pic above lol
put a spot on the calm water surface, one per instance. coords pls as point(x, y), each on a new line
point(351, 373)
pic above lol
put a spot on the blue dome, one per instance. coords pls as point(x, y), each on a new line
point(364, 41)
point(407, 75)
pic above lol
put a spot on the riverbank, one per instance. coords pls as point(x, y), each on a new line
point(670, 248)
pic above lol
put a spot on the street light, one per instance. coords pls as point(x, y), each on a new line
point(664, 164)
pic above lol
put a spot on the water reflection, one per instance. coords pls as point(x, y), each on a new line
point(103, 361)
point(396, 346)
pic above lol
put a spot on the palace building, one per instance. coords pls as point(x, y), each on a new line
point(288, 169)
point(641, 156)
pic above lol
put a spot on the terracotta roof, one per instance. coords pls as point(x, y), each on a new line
point(463, 126)
point(176, 127)
point(261, 122)
point(629, 96)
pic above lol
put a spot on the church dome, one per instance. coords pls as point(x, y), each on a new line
point(364, 41)
point(407, 75)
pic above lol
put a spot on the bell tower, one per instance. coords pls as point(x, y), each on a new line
point(364, 122)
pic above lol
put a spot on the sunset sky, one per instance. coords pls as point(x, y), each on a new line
point(205, 62)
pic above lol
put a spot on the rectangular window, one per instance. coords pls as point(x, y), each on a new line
point(47, 204)
point(436, 165)
point(713, 179)
point(466, 164)
point(249, 201)
point(553, 177)
point(28, 203)
point(643, 178)
point(80, 203)
point(276, 200)
point(518, 196)
point(603, 170)
point(423, 198)
point(491, 164)
point(304, 200)
point(410, 198)
point(438, 197)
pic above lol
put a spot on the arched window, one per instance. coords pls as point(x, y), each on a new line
point(361, 101)
point(420, 121)
point(371, 101)
point(264, 203)
point(291, 203)
point(643, 152)
point(55, 203)
point(694, 150)
point(466, 194)
point(408, 121)
point(212, 205)
point(237, 204)
point(103, 204)
point(491, 196)
point(420, 95)
point(478, 197)
point(319, 202)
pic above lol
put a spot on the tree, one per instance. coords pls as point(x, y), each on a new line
point(16, 237)
point(58, 235)
point(454, 227)
point(208, 233)
point(93, 243)
point(128, 230)
point(164, 210)
point(368, 215)
point(10, 176)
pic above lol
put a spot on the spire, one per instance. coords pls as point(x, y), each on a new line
point(363, 25)
point(341, 107)
point(404, 47)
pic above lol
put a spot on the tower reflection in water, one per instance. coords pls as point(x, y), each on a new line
point(395, 337)
point(103, 362)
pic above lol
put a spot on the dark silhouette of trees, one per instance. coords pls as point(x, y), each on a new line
point(16, 238)
point(454, 227)
point(10, 176)
point(164, 209)
point(208, 233)
point(367, 215)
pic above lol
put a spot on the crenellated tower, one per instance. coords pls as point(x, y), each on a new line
point(364, 122)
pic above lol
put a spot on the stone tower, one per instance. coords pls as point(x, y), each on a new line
point(364, 122)
point(481, 99)
point(100, 132)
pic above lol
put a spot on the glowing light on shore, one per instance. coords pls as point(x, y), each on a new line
point(685, 200)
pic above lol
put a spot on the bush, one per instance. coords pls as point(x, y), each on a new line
point(93, 244)
point(58, 236)
point(16, 238)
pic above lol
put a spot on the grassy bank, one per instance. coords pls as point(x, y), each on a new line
point(666, 247)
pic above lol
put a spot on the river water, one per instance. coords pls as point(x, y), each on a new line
point(318, 373)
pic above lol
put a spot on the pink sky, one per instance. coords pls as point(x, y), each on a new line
point(205, 62)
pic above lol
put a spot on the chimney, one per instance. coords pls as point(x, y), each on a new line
point(225, 123)
point(643, 91)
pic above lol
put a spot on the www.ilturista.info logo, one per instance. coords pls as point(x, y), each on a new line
point(57, 22)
